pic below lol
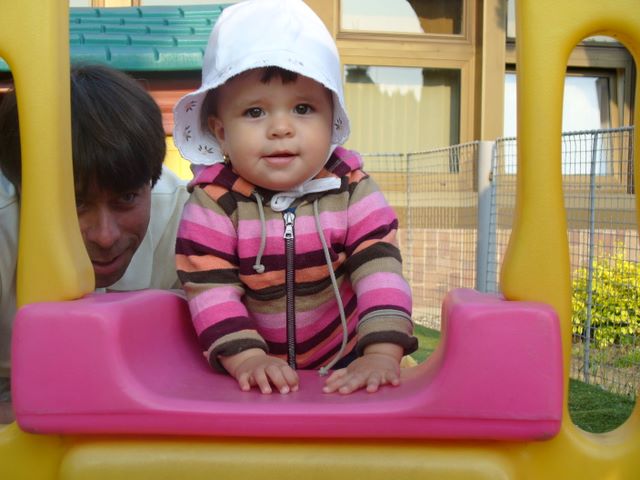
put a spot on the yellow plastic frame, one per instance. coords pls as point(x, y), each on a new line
point(34, 41)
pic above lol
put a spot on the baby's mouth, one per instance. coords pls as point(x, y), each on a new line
point(280, 158)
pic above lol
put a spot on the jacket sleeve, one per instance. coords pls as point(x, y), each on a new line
point(375, 267)
point(207, 267)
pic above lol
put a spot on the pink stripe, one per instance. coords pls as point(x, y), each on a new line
point(363, 229)
point(387, 297)
point(367, 207)
point(306, 236)
point(319, 315)
point(206, 236)
point(207, 218)
point(329, 220)
point(213, 297)
point(249, 229)
point(383, 281)
point(216, 314)
point(206, 174)
point(350, 157)
point(280, 337)
point(383, 289)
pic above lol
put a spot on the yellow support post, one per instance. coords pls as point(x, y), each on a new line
point(52, 261)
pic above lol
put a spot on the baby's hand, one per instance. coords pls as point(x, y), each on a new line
point(254, 367)
point(380, 365)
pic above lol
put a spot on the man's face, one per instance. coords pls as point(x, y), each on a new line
point(113, 226)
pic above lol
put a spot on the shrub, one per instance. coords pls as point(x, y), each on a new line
point(615, 301)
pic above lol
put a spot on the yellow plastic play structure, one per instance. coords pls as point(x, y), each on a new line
point(34, 41)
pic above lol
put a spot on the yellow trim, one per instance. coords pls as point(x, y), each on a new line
point(34, 40)
point(176, 162)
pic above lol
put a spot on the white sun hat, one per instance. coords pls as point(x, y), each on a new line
point(255, 34)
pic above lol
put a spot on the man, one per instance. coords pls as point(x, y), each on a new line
point(128, 205)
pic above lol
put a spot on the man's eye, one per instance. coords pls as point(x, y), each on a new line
point(303, 109)
point(128, 197)
point(253, 112)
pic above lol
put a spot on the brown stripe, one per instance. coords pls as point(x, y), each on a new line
point(228, 326)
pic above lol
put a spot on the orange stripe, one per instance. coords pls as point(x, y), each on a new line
point(195, 263)
point(243, 187)
point(215, 191)
point(356, 176)
point(264, 280)
point(389, 238)
point(312, 274)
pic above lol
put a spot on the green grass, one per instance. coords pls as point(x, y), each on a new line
point(591, 408)
point(427, 341)
point(596, 410)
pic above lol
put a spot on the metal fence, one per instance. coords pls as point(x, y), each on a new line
point(454, 232)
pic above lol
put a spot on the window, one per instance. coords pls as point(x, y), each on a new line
point(173, 3)
point(587, 104)
point(431, 17)
point(402, 109)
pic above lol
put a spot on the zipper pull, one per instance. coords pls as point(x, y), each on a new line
point(289, 218)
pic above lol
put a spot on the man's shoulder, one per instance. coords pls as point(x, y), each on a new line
point(169, 183)
point(168, 196)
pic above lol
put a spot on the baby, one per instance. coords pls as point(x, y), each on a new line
point(286, 248)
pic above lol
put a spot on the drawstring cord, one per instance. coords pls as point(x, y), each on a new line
point(343, 319)
point(258, 266)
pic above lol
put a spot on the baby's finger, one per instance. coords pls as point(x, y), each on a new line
point(335, 381)
point(275, 374)
point(336, 375)
point(291, 377)
point(262, 381)
point(352, 383)
point(244, 381)
point(392, 378)
point(373, 382)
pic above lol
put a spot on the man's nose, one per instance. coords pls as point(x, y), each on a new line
point(101, 227)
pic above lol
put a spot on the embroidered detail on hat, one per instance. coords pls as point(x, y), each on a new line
point(205, 148)
point(187, 133)
point(190, 105)
point(338, 124)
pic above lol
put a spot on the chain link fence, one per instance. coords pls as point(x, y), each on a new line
point(438, 195)
point(436, 200)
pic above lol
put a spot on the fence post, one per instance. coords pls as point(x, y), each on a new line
point(485, 153)
point(592, 221)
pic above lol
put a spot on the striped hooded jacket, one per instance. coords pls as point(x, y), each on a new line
point(291, 310)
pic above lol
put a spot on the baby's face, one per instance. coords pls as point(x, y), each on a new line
point(276, 135)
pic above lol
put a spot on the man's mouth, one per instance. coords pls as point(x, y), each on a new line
point(105, 266)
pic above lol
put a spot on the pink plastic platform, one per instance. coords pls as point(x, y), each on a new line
point(129, 363)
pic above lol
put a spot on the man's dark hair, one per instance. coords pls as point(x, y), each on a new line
point(118, 140)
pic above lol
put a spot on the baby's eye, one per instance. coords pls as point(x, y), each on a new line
point(303, 109)
point(253, 112)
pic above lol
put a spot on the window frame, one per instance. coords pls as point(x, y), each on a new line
point(464, 37)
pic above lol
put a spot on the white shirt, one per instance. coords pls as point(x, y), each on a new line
point(152, 266)
point(9, 215)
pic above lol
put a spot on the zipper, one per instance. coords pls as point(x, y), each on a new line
point(289, 217)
